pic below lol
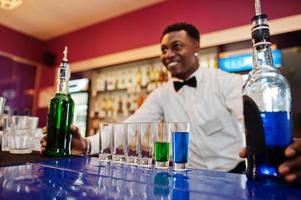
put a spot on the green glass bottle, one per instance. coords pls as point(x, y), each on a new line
point(60, 115)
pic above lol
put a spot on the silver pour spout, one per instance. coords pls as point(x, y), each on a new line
point(65, 54)
point(258, 7)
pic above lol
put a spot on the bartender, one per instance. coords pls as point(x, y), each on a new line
point(209, 99)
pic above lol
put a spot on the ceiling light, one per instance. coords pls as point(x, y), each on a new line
point(10, 4)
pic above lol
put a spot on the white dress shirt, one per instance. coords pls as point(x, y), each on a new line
point(214, 111)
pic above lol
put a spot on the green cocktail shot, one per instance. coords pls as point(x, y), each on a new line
point(161, 154)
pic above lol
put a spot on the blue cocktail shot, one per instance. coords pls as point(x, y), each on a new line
point(180, 141)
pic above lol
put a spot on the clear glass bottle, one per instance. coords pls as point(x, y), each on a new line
point(267, 107)
point(60, 115)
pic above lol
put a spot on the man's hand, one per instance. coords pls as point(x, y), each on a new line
point(79, 144)
point(243, 152)
point(290, 169)
point(43, 140)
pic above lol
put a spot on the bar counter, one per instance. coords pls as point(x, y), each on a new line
point(8, 159)
point(86, 178)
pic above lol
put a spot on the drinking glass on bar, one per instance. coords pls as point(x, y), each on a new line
point(162, 144)
point(132, 138)
point(180, 145)
point(119, 142)
point(105, 141)
point(146, 144)
point(6, 129)
point(21, 135)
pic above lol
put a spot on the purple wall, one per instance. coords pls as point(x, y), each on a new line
point(17, 82)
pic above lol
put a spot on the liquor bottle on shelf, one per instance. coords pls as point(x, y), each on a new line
point(106, 82)
point(149, 77)
point(267, 107)
point(104, 107)
point(165, 74)
point(138, 77)
point(128, 104)
point(122, 80)
point(60, 115)
point(161, 75)
point(95, 120)
point(144, 80)
point(152, 74)
point(133, 104)
point(110, 103)
point(130, 85)
point(120, 106)
point(138, 81)
point(27, 112)
point(140, 99)
point(99, 84)
point(110, 81)
point(116, 81)
point(157, 72)
point(15, 111)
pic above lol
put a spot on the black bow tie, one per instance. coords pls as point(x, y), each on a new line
point(190, 82)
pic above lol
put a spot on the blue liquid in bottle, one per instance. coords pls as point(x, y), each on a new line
point(277, 128)
point(180, 146)
point(277, 133)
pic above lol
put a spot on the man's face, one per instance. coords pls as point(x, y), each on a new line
point(178, 54)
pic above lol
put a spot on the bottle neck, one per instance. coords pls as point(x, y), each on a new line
point(262, 57)
point(63, 86)
point(63, 78)
point(262, 52)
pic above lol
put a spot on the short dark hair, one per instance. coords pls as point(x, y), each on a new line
point(191, 30)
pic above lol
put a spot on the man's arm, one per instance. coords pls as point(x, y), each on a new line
point(150, 111)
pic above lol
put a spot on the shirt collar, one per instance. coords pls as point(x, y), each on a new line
point(195, 73)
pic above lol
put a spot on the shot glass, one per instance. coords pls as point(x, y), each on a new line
point(146, 144)
point(132, 146)
point(105, 141)
point(119, 142)
point(22, 132)
point(180, 145)
point(6, 127)
point(162, 134)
